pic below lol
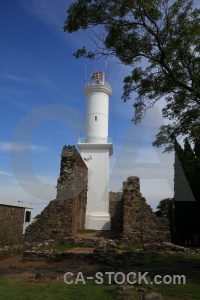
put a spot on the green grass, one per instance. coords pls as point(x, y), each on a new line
point(131, 247)
point(180, 264)
point(15, 290)
point(62, 247)
point(189, 291)
point(111, 249)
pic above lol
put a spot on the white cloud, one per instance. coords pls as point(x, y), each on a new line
point(13, 192)
point(14, 78)
point(17, 147)
point(48, 11)
point(53, 13)
point(161, 186)
point(17, 78)
point(137, 157)
point(28, 190)
point(4, 173)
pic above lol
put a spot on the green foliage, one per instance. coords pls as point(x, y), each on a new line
point(37, 216)
point(164, 36)
point(166, 210)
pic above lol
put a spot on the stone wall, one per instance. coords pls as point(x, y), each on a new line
point(11, 220)
point(116, 211)
point(65, 215)
point(121, 260)
point(131, 215)
point(140, 224)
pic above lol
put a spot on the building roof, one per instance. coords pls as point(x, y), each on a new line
point(16, 204)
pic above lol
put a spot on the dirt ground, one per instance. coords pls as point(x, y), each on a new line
point(16, 268)
point(108, 234)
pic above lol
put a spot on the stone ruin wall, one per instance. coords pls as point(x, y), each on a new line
point(140, 224)
point(11, 220)
point(116, 211)
point(65, 215)
point(134, 217)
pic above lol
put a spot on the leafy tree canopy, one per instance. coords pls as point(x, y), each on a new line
point(159, 39)
point(164, 207)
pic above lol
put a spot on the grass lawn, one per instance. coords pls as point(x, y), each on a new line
point(181, 264)
point(189, 265)
point(15, 290)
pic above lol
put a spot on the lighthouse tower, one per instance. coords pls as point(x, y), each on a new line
point(95, 150)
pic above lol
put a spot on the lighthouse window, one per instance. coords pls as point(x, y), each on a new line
point(95, 118)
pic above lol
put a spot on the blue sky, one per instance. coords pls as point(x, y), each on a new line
point(43, 107)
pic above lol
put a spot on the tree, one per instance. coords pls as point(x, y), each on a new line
point(196, 171)
point(160, 41)
point(187, 212)
point(165, 209)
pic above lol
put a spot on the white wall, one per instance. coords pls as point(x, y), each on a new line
point(97, 107)
point(98, 177)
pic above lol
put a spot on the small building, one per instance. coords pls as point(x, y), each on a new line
point(15, 216)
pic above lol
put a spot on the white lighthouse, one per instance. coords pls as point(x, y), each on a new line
point(95, 150)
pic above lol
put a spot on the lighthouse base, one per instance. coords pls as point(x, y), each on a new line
point(98, 221)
